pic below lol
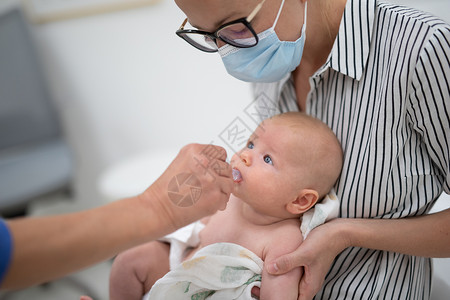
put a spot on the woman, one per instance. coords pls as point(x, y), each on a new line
point(377, 74)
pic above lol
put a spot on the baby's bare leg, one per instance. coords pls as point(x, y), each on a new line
point(135, 271)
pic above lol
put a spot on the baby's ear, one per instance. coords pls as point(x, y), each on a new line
point(305, 200)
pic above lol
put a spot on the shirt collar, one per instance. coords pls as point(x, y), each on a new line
point(351, 48)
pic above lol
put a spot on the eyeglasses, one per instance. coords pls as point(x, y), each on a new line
point(238, 33)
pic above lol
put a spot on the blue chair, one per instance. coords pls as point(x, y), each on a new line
point(35, 160)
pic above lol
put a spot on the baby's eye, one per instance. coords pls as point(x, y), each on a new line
point(250, 145)
point(268, 159)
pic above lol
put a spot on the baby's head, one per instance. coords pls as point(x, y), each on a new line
point(291, 159)
point(314, 148)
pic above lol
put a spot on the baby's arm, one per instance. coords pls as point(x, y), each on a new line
point(283, 287)
point(135, 271)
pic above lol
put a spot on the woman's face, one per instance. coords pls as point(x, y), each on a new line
point(209, 15)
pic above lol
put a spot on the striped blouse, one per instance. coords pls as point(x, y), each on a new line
point(384, 91)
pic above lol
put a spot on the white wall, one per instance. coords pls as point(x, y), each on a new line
point(127, 84)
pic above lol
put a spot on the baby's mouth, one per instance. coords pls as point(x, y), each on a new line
point(237, 177)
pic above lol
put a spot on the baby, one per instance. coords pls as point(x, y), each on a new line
point(290, 162)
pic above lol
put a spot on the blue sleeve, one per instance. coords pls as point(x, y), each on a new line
point(6, 246)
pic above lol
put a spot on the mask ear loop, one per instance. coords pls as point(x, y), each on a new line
point(278, 15)
point(305, 17)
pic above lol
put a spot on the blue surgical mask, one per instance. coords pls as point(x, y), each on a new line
point(269, 61)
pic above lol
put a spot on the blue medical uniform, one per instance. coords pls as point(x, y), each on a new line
point(6, 246)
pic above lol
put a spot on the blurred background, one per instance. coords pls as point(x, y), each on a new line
point(124, 94)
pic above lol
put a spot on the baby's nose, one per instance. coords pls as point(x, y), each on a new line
point(246, 158)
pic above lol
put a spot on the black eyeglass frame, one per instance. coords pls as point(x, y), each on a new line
point(215, 35)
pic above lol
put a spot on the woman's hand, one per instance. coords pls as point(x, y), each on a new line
point(196, 184)
point(315, 255)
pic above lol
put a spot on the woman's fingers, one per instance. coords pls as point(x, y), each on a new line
point(284, 264)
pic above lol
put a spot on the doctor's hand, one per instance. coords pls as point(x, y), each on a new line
point(196, 184)
point(315, 255)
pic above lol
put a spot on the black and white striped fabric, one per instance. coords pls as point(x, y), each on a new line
point(384, 91)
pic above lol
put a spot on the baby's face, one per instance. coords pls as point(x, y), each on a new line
point(267, 171)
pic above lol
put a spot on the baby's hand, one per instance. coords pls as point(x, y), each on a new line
point(255, 292)
point(85, 298)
